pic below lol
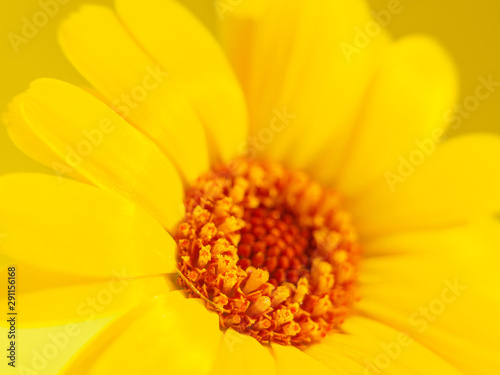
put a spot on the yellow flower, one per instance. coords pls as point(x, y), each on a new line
point(316, 86)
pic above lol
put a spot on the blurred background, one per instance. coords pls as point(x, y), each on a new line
point(469, 30)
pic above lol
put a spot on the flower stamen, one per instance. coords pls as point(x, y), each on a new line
point(271, 251)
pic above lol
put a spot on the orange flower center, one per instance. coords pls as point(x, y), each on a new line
point(270, 251)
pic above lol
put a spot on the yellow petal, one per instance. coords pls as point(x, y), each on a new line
point(338, 360)
point(290, 360)
point(181, 44)
point(33, 145)
point(87, 136)
point(413, 88)
point(372, 348)
point(450, 187)
point(74, 228)
point(441, 287)
point(171, 335)
point(69, 301)
point(136, 86)
point(242, 354)
point(305, 68)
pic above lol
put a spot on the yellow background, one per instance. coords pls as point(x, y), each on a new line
point(468, 29)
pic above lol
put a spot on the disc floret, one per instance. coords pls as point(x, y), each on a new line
point(270, 251)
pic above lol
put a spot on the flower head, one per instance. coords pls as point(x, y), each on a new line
point(279, 204)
